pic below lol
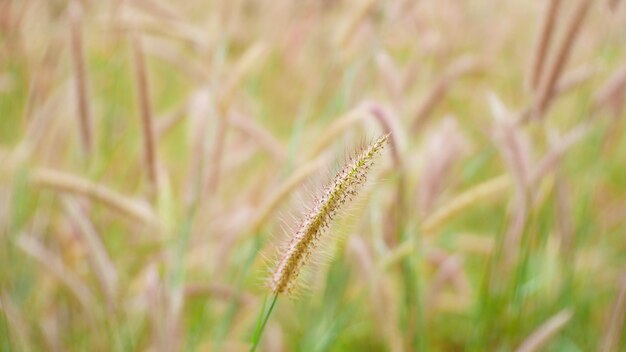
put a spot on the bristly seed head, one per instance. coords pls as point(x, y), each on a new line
point(344, 187)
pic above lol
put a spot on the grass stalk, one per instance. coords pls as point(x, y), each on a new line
point(80, 78)
point(458, 68)
point(65, 182)
point(549, 81)
point(262, 321)
point(543, 42)
point(543, 333)
point(145, 110)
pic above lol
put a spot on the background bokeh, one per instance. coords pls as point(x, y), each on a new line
point(155, 155)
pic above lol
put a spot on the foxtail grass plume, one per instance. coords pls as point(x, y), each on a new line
point(346, 185)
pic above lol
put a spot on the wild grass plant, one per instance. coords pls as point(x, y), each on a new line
point(154, 155)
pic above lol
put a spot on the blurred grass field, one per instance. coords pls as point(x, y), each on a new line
point(139, 215)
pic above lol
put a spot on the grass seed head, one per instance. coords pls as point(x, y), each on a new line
point(345, 186)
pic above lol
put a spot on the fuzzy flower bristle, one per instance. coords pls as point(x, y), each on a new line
point(344, 187)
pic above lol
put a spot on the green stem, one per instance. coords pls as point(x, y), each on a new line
point(263, 318)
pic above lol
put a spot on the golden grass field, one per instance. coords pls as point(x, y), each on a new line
point(385, 175)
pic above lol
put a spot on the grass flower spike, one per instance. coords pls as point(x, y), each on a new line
point(346, 185)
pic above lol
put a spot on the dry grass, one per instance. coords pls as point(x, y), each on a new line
point(149, 152)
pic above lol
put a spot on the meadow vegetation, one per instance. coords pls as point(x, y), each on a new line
point(167, 169)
